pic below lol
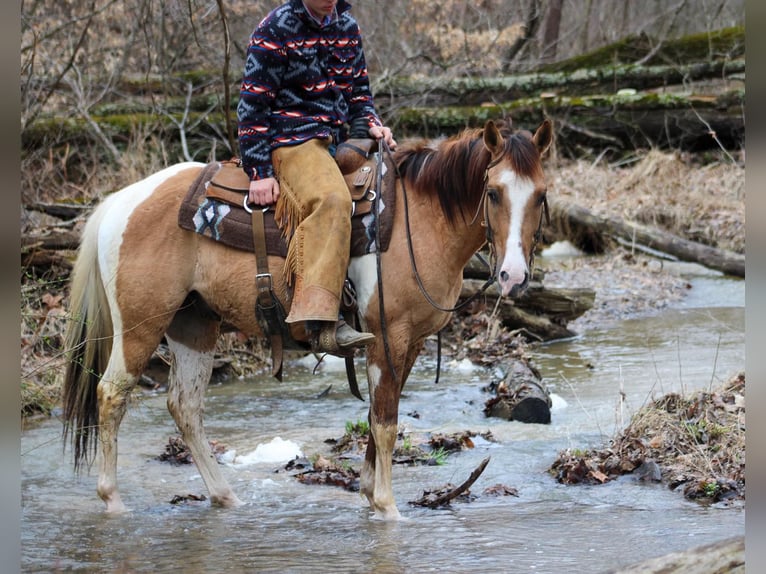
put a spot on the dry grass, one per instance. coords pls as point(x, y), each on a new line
point(671, 191)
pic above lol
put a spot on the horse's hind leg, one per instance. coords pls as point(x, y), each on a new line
point(113, 391)
point(192, 342)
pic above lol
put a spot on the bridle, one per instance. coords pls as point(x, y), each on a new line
point(489, 239)
point(545, 217)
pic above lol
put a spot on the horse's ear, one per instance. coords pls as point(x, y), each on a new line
point(492, 139)
point(543, 137)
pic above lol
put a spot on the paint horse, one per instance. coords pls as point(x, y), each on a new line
point(139, 277)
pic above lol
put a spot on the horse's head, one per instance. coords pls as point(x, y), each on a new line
point(515, 201)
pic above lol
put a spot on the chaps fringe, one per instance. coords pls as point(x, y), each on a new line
point(288, 214)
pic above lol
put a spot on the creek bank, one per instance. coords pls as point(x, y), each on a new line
point(694, 444)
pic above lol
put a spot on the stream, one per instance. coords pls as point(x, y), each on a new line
point(597, 380)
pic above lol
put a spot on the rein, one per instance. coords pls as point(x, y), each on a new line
point(382, 146)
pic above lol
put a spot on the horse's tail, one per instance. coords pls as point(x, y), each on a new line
point(88, 344)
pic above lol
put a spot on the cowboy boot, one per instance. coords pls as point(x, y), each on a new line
point(338, 338)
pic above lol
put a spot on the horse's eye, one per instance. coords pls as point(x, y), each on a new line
point(541, 198)
point(492, 194)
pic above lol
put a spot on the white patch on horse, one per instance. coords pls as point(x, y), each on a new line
point(514, 264)
point(373, 378)
point(363, 273)
point(117, 209)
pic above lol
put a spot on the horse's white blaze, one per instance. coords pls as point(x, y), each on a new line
point(513, 268)
point(363, 273)
point(117, 209)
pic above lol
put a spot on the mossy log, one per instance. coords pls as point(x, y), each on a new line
point(726, 43)
point(440, 92)
point(620, 122)
point(402, 92)
point(584, 229)
point(617, 121)
point(434, 107)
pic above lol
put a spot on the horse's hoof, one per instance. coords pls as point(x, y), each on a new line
point(115, 507)
point(226, 501)
point(390, 514)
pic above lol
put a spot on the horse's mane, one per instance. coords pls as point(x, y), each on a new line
point(453, 169)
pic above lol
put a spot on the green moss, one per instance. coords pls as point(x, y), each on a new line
point(726, 43)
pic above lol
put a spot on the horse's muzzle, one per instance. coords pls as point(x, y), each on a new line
point(513, 289)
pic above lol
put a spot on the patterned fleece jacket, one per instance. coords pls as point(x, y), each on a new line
point(301, 81)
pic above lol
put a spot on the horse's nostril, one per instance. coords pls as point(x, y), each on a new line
point(503, 276)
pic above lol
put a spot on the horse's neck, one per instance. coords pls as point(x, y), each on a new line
point(453, 245)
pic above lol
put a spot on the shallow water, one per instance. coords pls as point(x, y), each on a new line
point(287, 527)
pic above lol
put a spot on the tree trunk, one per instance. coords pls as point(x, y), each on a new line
point(531, 24)
point(45, 259)
point(542, 313)
point(551, 30)
point(51, 239)
point(619, 122)
point(602, 80)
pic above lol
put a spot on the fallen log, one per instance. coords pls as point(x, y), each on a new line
point(541, 312)
point(622, 121)
point(585, 230)
point(45, 259)
point(463, 91)
point(54, 239)
point(725, 556)
point(60, 210)
point(520, 396)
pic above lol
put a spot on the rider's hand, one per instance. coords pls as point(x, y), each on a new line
point(382, 132)
point(263, 191)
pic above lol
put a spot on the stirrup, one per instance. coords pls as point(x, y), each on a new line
point(340, 339)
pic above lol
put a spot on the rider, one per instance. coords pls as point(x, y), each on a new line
point(305, 78)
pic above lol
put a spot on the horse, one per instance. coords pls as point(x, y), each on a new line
point(139, 277)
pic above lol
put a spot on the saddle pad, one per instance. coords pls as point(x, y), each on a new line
point(231, 225)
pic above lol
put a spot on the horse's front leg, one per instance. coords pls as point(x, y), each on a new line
point(375, 479)
point(385, 392)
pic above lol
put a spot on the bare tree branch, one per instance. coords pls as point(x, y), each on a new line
point(42, 101)
point(225, 75)
point(531, 24)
